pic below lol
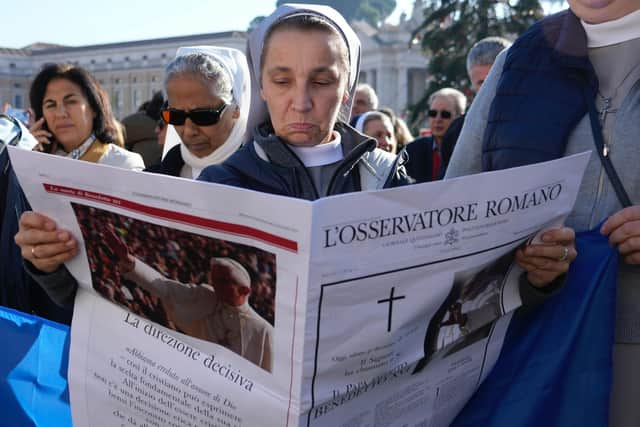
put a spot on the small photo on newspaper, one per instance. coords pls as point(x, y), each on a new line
point(477, 298)
point(207, 288)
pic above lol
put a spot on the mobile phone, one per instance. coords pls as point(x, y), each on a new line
point(47, 148)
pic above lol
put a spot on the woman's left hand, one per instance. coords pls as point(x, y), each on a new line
point(623, 229)
point(544, 262)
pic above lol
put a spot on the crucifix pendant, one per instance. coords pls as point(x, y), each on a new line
point(606, 110)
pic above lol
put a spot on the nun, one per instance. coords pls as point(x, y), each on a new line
point(304, 62)
point(208, 93)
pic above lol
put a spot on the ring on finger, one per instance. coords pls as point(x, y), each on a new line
point(565, 254)
point(33, 252)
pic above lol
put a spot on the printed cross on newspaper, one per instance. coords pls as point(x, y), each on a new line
point(390, 300)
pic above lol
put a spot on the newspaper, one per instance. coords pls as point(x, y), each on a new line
point(383, 308)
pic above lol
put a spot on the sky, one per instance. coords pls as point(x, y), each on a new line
point(87, 22)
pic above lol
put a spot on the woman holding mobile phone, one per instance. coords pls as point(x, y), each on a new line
point(73, 118)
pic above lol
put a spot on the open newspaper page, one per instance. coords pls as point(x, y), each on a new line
point(413, 290)
point(381, 308)
point(164, 343)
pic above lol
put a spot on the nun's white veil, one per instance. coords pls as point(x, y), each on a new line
point(235, 64)
point(255, 45)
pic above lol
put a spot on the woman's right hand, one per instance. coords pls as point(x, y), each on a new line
point(43, 244)
point(42, 135)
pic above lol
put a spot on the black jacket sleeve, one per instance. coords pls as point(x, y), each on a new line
point(60, 285)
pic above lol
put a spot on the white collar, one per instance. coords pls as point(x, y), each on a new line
point(79, 151)
point(321, 154)
point(613, 32)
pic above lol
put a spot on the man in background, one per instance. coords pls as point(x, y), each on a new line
point(425, 162)
point(365, 99)
point(480, 58)
point(140, 134)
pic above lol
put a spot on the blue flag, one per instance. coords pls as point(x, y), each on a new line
point(555, 366)
point(33, 366)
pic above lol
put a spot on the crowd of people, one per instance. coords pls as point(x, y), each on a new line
point(177, 255)
point(289, 118)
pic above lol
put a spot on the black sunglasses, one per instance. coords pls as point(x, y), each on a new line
point(443, 113)
point(199, 116)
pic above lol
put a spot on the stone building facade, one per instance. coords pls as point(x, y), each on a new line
point(132, 71)
point(392, 63)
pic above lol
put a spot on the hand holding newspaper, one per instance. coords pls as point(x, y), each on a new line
point(208, 305)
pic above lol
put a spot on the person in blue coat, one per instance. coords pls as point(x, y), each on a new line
point(572, 83)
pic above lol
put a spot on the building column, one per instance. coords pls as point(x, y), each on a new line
point(402, 91)
point(386, 87)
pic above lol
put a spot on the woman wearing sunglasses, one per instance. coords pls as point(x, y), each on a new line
point(304, 67)
point(208, 92)
point(425, 159)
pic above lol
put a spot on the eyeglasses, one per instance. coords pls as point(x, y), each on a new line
point(199, 116)
point(443, 113)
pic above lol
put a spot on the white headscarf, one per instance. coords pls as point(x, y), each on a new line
point(359, 126)
point(235, 63)
point(255, 44)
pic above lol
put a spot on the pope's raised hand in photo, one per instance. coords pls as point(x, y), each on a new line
point(119, 249)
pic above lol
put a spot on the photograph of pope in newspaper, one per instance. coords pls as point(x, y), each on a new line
point(211, 289)
point(467, 314)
